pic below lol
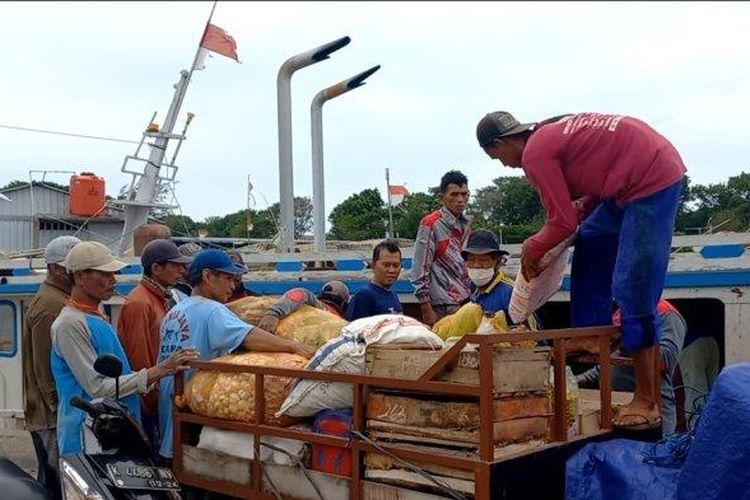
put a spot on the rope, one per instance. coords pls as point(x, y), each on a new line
point(70, 134)
point(299, 464)
point(673, 450)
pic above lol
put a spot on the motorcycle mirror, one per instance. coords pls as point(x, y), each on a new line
point(108, 365)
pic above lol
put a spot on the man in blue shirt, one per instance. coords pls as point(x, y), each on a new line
point(81, 333)
point(203, 322)
point(376, 297)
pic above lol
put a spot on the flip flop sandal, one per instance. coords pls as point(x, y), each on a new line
point(648, 424)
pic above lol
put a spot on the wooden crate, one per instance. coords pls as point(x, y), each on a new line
point(397, 416)
point(514, 369)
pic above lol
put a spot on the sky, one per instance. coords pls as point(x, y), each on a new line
point(102, 68)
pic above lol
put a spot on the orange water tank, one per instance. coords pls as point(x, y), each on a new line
point(86, 194)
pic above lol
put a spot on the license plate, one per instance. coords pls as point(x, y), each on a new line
point(128, 476)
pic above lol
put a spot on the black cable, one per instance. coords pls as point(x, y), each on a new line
point(440, 485)
point(298, 463)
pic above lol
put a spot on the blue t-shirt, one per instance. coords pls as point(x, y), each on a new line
point(196, 322)
point(372, 300)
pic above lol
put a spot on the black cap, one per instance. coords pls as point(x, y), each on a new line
point(482, 242)
point(499, 124)
point(159, 251)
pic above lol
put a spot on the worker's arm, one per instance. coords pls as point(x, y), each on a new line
point(227, 332)
point(72, 341)
point(424, 254)
point(286, 305)
point(545, 174)
point(260, 340)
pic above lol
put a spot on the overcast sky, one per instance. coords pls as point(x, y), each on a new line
point(103, 68)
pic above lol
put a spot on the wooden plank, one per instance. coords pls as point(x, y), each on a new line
point(420, 411)
point(513, 370)
point(510, 431)
point(379, 461)
point(372, 490)
point(589, 408)
point(409, 479)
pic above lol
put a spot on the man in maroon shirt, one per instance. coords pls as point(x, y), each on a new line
point(622, 180)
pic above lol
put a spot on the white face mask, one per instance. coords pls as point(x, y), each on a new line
point(481, 277)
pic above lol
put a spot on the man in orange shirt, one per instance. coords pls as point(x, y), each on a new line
point(141, 316)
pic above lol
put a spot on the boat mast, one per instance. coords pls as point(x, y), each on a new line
point(139, 206)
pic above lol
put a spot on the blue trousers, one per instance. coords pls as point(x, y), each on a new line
point(623, 253)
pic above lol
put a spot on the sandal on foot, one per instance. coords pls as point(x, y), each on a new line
point(647, 424)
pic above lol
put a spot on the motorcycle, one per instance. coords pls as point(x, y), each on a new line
point(117, 462)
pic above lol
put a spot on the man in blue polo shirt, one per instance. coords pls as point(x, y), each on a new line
point(376, 297)
point(203, 322)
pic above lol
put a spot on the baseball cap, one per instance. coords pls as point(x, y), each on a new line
point(499, 124)
point(58, 249)
point(92, 255)
point(214, 259)
point(336, 292)
point(159, 251)
point(482, 242)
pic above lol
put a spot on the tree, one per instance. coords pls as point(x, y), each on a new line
point(408, 213)
point(303, 215)
point(362, 216)
point(180, 225)
point(508, 201)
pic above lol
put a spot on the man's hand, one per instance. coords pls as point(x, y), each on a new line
point(269, 323)
point(429, 317)
point(303, 350)
point(529, 267)
point(176, 363)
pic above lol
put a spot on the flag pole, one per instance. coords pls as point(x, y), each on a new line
point(198, 50)
point(390, 207)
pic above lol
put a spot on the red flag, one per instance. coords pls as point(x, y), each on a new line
point(217, 40)
point(397, 193)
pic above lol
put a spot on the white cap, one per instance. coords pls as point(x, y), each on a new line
point(92, 255)
point(58, 249)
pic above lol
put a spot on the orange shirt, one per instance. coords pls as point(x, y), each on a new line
point(139, 329)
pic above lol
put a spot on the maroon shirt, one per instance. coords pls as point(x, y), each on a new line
point(596, 156)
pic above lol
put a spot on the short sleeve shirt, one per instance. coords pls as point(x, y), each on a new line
point(208, 326)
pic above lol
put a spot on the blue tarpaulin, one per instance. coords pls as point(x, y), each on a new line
point(717, 466)
point(614, 469)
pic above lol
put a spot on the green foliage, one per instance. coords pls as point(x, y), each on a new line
point(508, 200)
point(362, 216)
point(234, 225)
point(408, 213)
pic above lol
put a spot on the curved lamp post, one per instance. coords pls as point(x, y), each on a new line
point(316, 118)
point(284, 109)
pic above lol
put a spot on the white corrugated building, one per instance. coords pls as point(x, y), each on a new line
point(31, 216)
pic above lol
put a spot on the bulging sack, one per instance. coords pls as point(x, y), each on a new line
point(528, 296)
point(346, 354)
point(307, 325)
point(311, 326)
point(232, 395)
point(252, 309)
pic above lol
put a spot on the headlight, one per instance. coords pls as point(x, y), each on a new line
point(74, 487)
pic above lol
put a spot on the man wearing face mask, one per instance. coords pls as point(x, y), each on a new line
point(484, 259)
